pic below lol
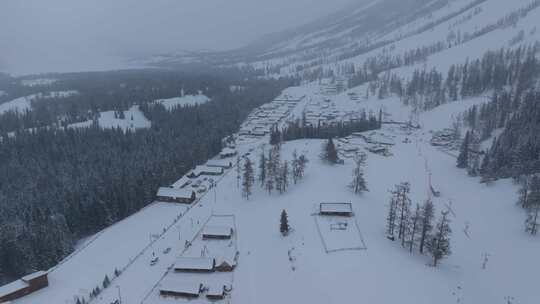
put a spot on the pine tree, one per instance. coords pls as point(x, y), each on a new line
point(358, 183)
point(285, 175)
point(403, 209)
point(106, 282)
point(262, 169)
point(439, 244)
point(523, 192)
point(270, 172)
point(248, 178)
point(302, 163)
point(533, 206)
point(428, 213)
point(284, 223)
point(329, 153)
point(416, 220)
point(295, 167)
point(391, 218)
point(463, 157)
point(238, 172)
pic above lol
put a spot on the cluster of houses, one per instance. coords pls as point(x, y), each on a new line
point(208, 275)
point(373, 141)
point(261, 120)
point(325, 111)
point(24, 286)
point(198, 180)
point(334, 86)
point(445, 138)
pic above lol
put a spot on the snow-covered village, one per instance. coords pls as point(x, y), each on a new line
point(384, 153)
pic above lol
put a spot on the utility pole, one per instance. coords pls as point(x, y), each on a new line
point(119, 295)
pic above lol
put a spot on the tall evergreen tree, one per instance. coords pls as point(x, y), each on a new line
point(262, 169)
point(391, 218)
point(428, 213)
point(463, 157)
point(416, 220)
point(439, 244)
point(284, 223)
point(248, 178)
point(358, 183)
point(329, 153)
point(533, 206)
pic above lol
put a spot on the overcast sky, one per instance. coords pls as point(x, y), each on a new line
point(73, 35)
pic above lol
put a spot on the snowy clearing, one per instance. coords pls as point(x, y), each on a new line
point(133, 119)
point(187, 100)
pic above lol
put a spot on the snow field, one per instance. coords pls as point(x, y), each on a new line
point(134, 119)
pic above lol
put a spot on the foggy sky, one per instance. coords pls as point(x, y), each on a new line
point(74, 35)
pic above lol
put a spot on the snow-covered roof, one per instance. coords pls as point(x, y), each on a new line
point(228, 257)
point(12, 287)
point(187, 263)
point(227, 151)
point(216, 290)
point(34, 275)
point(174, 193)
point(219, 163)
point(169, 284)
point(181, 182)
point(206, 169)
point(224, 231)
point(336, 207)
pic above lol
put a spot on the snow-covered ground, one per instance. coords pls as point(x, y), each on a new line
point(186, 100)
point(38, 82)
point(24, 103)
point(297, 268)
point(133, 119)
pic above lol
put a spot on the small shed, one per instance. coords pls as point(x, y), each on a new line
point(339, 209)
point(227, 262)
point(24, 286)
point(216, 291)
point(217, 232)
point(168, 194)
point(36, 280)
point(184, 289)
point(187, 264)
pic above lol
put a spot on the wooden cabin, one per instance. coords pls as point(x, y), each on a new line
point(173, 195)
point(184, 290)
point(24, 286)
point(217, 232)
point(216, 292)
point(188, 264)
point(337, 209)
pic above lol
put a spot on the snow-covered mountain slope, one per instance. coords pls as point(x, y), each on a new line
point(441, 32)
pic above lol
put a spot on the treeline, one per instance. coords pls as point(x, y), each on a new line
point(58, 185)
point(497, 70)
point(300, 129)
point(107, 91)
